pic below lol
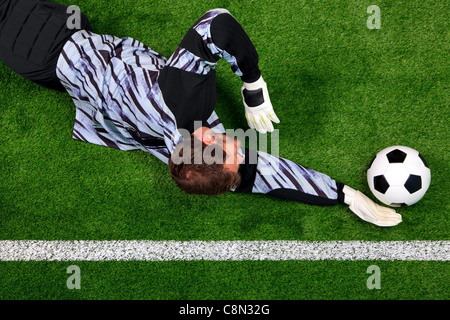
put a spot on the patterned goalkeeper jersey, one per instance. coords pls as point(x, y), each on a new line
point(113, 83)
point(119, 104)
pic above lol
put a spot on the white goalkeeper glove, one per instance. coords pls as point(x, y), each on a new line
point(258, 108)
point(368, 210)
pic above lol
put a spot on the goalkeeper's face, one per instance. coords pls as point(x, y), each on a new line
point(206, 164)
point(229, 144)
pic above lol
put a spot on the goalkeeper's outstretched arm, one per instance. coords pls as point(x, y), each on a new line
point(285, 179)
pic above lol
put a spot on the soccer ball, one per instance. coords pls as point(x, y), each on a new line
point(398, 176)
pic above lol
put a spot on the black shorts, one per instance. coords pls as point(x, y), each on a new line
point(32, 35)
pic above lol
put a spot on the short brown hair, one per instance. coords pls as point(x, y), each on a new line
point(201, 178)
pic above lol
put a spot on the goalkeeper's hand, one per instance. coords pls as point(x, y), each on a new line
point(368, 210)
point(258, 108)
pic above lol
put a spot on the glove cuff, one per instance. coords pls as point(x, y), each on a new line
point(349, 194)
point(258, 84)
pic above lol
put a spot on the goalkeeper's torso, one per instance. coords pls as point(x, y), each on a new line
point(114, 85)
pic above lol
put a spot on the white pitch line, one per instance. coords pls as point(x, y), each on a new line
point(35, 250)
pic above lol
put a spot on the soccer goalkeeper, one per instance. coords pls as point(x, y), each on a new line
point(129, 97)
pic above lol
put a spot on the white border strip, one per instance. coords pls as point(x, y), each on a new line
point(31, 250)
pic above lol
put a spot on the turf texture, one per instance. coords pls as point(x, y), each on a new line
point(342, 92)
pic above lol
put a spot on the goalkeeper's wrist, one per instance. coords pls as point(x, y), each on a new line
point(251, 76)
point(258, 84)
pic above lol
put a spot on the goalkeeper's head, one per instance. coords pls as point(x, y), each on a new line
point(206, 163)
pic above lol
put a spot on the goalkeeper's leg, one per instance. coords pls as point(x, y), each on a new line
point(33, 33)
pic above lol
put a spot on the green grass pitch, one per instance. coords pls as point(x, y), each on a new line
point(342, 92)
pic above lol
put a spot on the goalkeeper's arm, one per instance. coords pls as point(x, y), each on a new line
point(285, 179)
